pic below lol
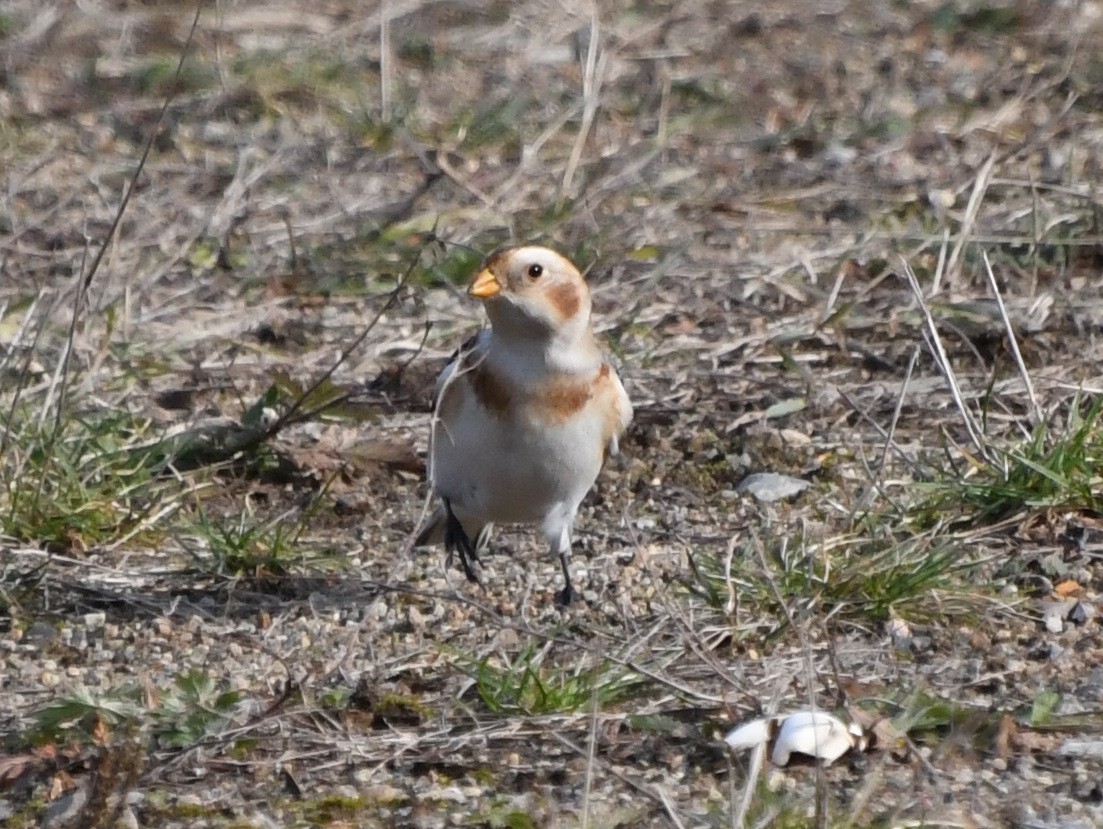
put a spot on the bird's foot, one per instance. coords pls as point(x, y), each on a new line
point(564, 597)
point(456, 540)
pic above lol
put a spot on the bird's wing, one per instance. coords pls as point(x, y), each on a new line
point(623, 406)
point(472, 349)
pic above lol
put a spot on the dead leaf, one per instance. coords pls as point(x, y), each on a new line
point(60, 783)
point(1067, 588)
point(1004, 736)
point(100, 732)
point(13, 767)
point(887, 737)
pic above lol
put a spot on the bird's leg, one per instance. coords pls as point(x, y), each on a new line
point(562, 545)
point(456, 539)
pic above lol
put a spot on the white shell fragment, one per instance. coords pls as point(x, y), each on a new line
point(814, 734)
point(751, 734)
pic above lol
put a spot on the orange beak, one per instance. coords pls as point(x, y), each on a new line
point(485, 286)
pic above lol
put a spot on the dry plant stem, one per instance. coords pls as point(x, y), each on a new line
point(729, 606)
point(806, 650)
point(1013, 342)
point(938, 351)
point(673, 815)
point(294, 412)
point(896, 411)
point(591, 756)
point(692, 639)
point(153, 132)
point(758, 756)
point(60, 381)
point(980, 187)
point(592, 76)
point(457, 179)
point(758, 759)
point(56, 388)
point(833, 297)
point(862, 413)
point(385, 62)
point(529, 155)
point(940, 266)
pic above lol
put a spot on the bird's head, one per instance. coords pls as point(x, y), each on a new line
point(533, 292)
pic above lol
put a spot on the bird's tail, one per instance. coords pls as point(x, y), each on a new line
point(433, 531)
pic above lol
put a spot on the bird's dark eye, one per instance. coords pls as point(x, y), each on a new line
point(535, 271)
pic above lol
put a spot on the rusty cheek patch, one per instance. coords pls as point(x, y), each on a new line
point(565, 300)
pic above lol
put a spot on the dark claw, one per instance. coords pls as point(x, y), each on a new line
point(564, 597)
point(456, 540)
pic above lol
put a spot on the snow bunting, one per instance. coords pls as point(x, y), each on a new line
point(526, 411)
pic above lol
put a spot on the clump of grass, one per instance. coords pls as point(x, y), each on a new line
point(245, 545)
point(864, 578)
point(1057, 466)
point(332, 83)
point(532, 683)
point(76, 481)
point(158, 76)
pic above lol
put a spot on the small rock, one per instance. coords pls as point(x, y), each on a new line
point(259, 820)
point(452, 794)
point(63, 810)
point(384, 793)
point(39, 633)
point(899, 634)
point(1081, 613)
point(771, 486)
point(1083, 749)
point(127, 819)
point(1054, 615)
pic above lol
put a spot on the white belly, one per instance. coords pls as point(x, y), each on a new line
point(512, 471)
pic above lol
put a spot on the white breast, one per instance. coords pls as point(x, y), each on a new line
point(515, 469)
point(513, 466)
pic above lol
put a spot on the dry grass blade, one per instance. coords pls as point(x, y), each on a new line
point(592, 75)
point(1013, 342)
point(942, 360)
point(969, 220)
point(386, 61)
point(889, 435)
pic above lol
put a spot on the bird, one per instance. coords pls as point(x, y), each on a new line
point(526, 412)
